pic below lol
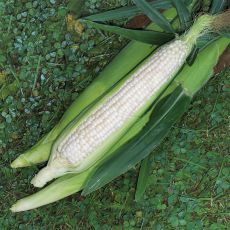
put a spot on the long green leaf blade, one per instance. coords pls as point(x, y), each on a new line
point(162, 119)
point(146, 36)
point(143, 178)
point(183, 13)
point(154, 15)
point(129, 11)
point(217, 6)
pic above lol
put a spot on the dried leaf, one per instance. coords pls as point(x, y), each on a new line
point(224, 61)
point(74, 25)
point(140, 21)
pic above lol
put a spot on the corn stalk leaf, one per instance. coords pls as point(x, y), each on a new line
point(217, 6)
point(183, 13)
point(129, 11)
point(145, 36)
point(142, 182)
point(139, 147)
point(154, 15)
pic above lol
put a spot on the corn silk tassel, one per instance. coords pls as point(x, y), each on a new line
point(84, 141)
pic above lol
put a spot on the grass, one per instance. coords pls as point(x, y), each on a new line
point(189, 182)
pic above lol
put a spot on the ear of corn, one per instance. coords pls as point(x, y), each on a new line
point(70, 184)
point(88, 138)
point(117, 69)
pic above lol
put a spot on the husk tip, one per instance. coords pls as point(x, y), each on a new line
point(21, 206)
point(20, 162)
point(13, 208)
point(48, 173)
point(38, 181)
point(16, 208)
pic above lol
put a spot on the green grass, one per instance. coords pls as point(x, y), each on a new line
point(189, 182)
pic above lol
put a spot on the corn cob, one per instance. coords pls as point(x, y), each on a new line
point(87, 139)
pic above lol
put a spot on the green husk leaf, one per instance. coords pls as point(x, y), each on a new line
point(183, 13)
point(129, 11)
point(205, 40)
point(217, 6)
point(202, 73)
point(154, 15)
point(51, 193)
point(146, 36)
point(143, 178)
